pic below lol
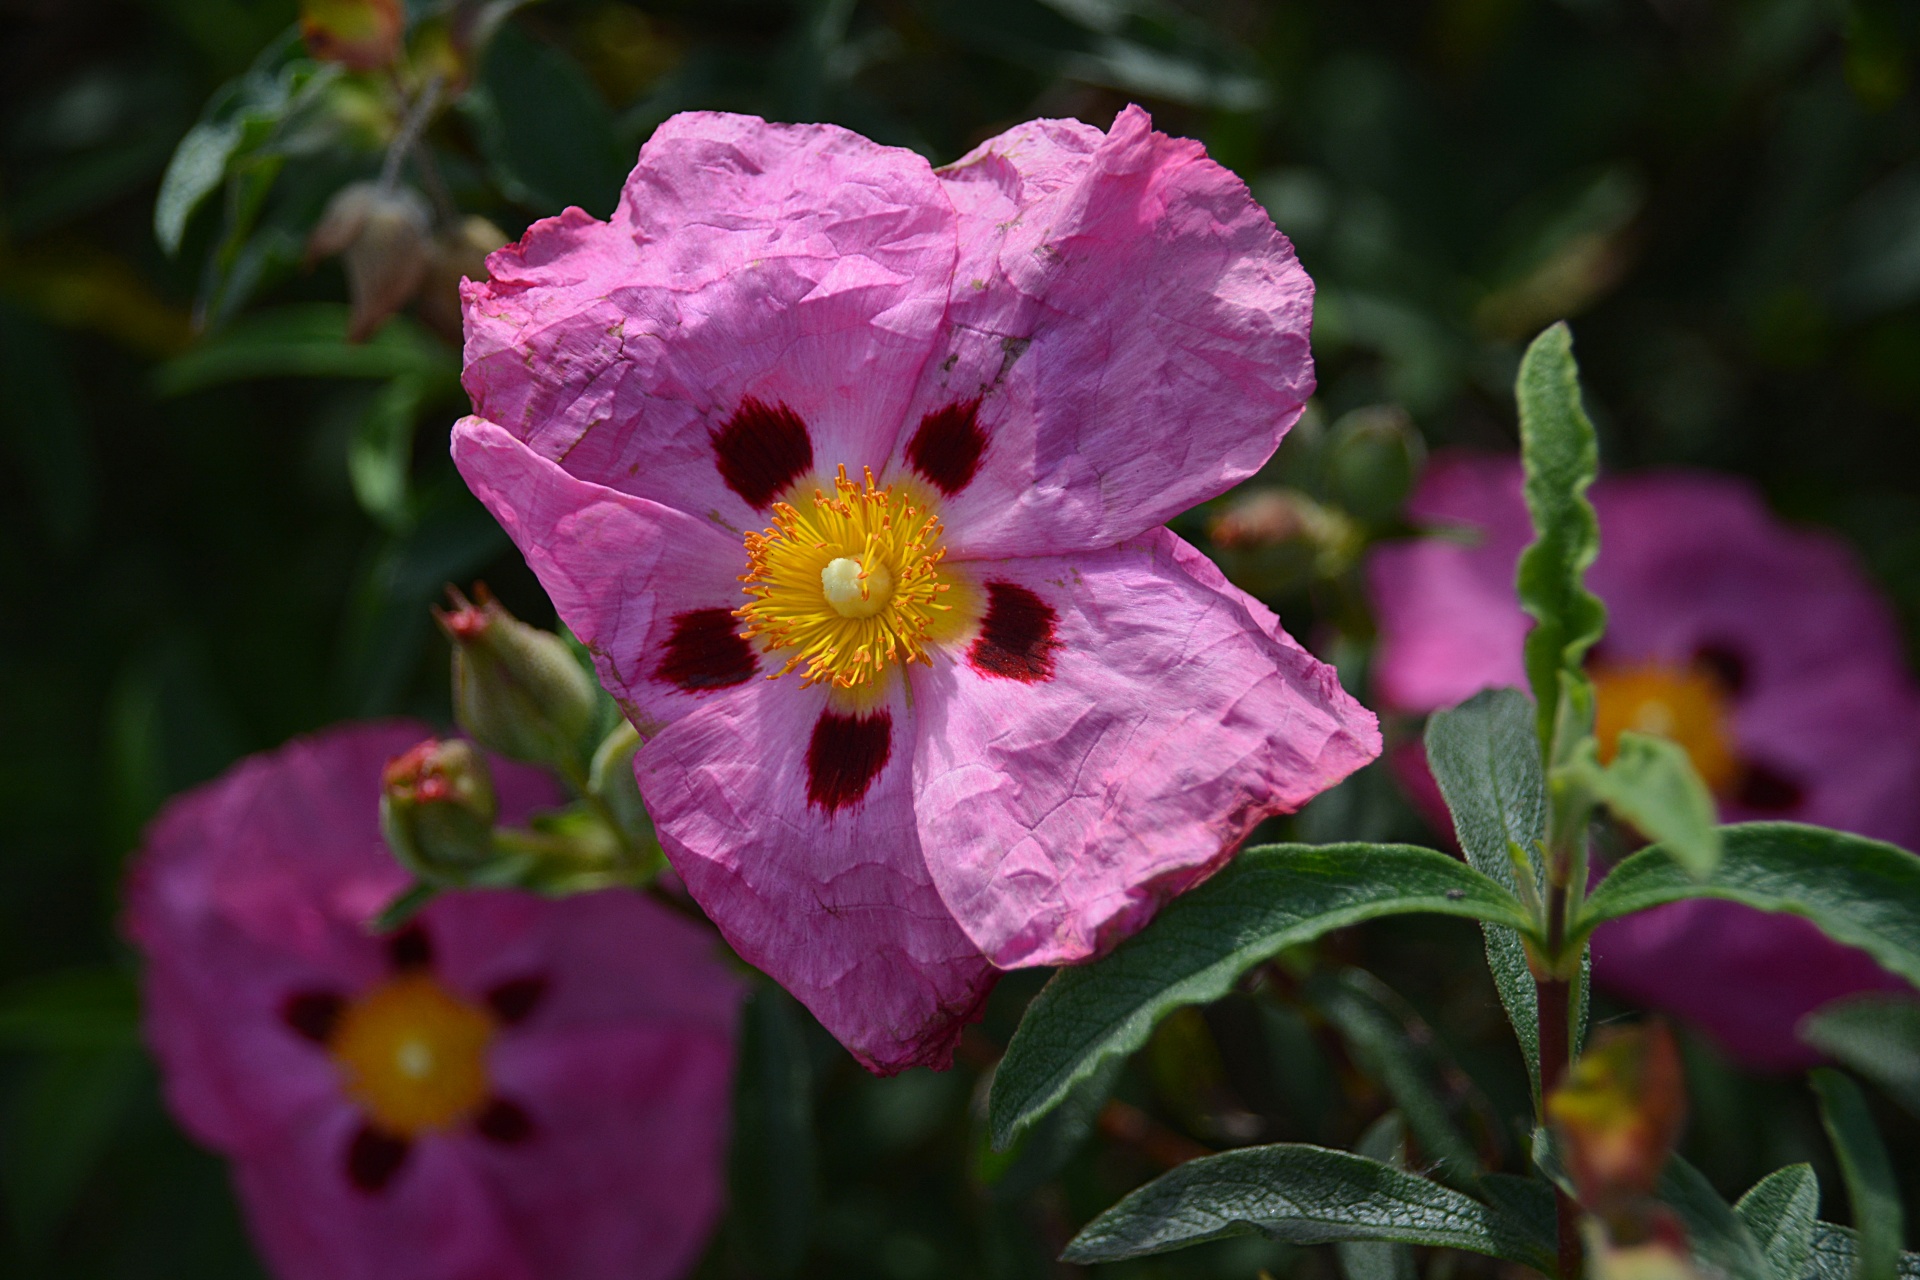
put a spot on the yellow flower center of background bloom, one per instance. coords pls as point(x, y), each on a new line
point(848, 581)
point(1685, 704)
point(414, 1055)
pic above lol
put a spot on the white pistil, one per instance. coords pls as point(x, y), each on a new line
point(855, 592)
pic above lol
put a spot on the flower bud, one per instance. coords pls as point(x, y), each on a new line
point(383, 235)
point(1617, 1115)
point(361, 35)
point(1370, 461)
point(1273, 540)
point(518, 690)
point(437, 810)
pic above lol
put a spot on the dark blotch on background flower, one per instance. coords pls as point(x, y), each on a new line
point(510, 1086)
point(1762, 649)
point(915, 432)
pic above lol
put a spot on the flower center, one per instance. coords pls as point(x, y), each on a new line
point(1685, 704)
point(414, 1055)
point(850, 581)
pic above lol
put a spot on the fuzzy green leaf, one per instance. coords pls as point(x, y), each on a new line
point(1835, 1254)
point(1265, 900)
point(1385, 1141)
point(1303, 1195)
point(1485, 757)
point(1877, 1036)
point(1651, 782)
point(1561, 457)
point(1720, 1238)
point(1858, 891)
point(1868, 1173)
point(1780, 1211)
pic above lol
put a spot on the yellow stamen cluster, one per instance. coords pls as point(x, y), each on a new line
point(1684, 704)
point(415, 1055)
point(850, 582)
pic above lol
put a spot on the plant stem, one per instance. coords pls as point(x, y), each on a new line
point(1555, 999)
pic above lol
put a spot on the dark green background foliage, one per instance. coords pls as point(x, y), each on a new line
point(1724, 195)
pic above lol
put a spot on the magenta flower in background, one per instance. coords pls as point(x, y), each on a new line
point(851, 472)
point(1762, 649)
point(510, 1087)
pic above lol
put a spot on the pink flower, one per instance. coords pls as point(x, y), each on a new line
point(1760, 648)
point(851, 473)
point(507, 1088)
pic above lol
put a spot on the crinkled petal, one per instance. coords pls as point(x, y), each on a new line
point(1060, 810)
point(1746, 977)
point(834, 902)
point(1132, 328)
point(797, 265)
point(648, 589)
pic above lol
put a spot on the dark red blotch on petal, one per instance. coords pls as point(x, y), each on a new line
point(514, 1000)
point(410, 948)
point(947, 445)
point(846, 754)
point(374, 1158)
point(1724, 663)
point(706, 652)
point(761, 450)
point(1016, 639)
point(313, 1014)
point(1767, 790)
point(505, 1122)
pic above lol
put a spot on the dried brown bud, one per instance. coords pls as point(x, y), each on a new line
point(383, 235)
point(362, 35)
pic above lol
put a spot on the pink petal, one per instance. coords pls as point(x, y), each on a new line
point(437, 1220)
point(800, 265)
point(1745, 977)
point(1132, 327)
point(1059, 812)
point(837, 905)
point(631, 577)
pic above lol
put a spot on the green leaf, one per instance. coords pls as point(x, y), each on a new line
point(1780, 1211)
point(544, 127)
point(1835, 1251)
point(306, 341)
point(771, 1170)
point(1877, 1036)
point(1374, 1023)
point(198, 166)
point(1265, 900)
point(1651, 782)
point(61, 1116)
point(1385, 1141)
point(1561, 457)
point(406, 906)
point(1864, 1167)
point(73, 1010)
point(1858, 891)
point(1044, 1149)
point(1720, 1239)
point(1485, 757)
point(380, 452)
point(1302, 1195)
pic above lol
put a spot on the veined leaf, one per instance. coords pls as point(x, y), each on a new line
point(1720, 1238)
point(1485, 757)
point(1836, 1251)
point(306, 341)
point(1868, 1173)
point(1877, 1036)
point(1780, 1211)
point(1561, 457)
point(1303, 1195)
point(1858, 891)
point(1045, 1149)
point(1265, 900)
point(1651, 782)
point(1385, 1141)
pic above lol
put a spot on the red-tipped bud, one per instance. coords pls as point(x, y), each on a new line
point(518, 690)
point(361, 35)
point(1618, 1114)
point(437, 810)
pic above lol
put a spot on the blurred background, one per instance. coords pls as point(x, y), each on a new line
point(221, 523)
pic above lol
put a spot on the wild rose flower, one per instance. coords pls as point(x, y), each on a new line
point(509, 1087)
point(1761, 649)
point(851, 473)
